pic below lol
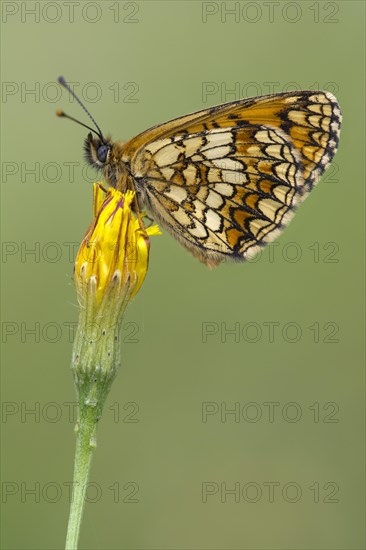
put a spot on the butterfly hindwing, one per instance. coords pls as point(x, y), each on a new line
point(224, 192)
point(226, 180)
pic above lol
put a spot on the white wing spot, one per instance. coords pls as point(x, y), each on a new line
point(214, 200)
point(167, 173)
point(155, 146)
point(224, 189)
point(212, 220)
point(177, 193)
point(214, 140)
point(198, 231)
point(228, 164)
point(181, 216)
point(275, 151)
point(167, 155)
point(192, 145)
point(229, 176)
point(216, 152)
point(264, 136)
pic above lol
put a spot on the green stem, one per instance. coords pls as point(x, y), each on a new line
point(85, 444)
point(95, 361)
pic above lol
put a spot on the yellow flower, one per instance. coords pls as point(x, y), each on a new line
point(115, 250)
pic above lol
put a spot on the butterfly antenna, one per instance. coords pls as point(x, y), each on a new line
point(63, 83)
point(61, 113)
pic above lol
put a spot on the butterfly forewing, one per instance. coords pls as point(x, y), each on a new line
point(225, 180)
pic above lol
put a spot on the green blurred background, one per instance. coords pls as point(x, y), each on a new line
point(168, 451)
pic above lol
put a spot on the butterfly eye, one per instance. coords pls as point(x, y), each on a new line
point(102, 153)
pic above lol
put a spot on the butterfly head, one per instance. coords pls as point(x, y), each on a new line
point(97, 151)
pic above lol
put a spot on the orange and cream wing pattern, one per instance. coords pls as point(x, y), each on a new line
point(226, 180)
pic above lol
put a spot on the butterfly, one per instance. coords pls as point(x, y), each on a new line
point(226, 180)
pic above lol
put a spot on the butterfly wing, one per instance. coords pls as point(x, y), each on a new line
point(225, 180)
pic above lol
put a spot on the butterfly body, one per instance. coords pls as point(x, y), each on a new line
point(226, 180)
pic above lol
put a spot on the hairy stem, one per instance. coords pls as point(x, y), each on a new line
point(85, 444)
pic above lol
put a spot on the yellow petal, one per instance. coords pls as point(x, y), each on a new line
point(115, 241)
